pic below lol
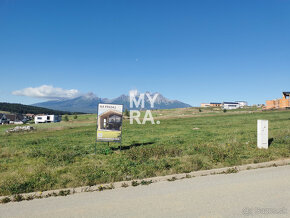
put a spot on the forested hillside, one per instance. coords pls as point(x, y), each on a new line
point(25, 109)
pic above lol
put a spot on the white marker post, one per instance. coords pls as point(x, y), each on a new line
point(262, 136)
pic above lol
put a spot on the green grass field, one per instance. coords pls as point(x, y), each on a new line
point(61, 155)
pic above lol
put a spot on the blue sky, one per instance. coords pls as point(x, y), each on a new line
point(193, 51)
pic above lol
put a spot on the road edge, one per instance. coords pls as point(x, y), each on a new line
point(145, 181)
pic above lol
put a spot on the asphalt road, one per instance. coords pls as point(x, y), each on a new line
point(253, 193)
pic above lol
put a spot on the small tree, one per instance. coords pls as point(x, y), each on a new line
point(66, 118)
point(75, 116)
point(127, 113)
point(225, 110)
point(199, 110)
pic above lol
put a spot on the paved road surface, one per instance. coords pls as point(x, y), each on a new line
point(259, 193)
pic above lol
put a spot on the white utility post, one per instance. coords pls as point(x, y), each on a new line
point(262, 134)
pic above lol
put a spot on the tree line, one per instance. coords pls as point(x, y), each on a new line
point(28, 109)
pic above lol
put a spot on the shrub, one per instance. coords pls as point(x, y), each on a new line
point(18, 198)
point(29, 198)
point(64, 192)
point(127, 113)
point(144, 182)
point(5, 200)
point(232, 170)
point(66, 118)
point(135, 183)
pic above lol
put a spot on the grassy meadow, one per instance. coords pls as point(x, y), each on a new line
point(60, 155)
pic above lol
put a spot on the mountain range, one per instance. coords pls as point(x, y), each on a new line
point(88, 103)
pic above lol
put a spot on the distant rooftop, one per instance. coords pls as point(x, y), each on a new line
point(286, 93)
point(231, 103)
point(214, 103)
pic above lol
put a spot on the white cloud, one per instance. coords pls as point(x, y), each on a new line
point(47, 92)
point(133, 92)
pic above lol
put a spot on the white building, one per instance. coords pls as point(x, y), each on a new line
point(47, 118)
point(242, 103)
point(230, 105)
point(205, 105)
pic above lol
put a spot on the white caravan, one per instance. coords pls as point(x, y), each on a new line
point(230, 105)
point(47, 119)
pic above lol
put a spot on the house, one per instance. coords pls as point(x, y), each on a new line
point(215, 104)
point(12, 119)
point(110, 120)
point(3, 119)
point(47, 118)
point(204, 105)
point(283, 103)
point(230, 105)
point(242, 103)
point(30, 116)
point(15, 118)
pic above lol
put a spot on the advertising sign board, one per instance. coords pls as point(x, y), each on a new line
point(109, 122)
